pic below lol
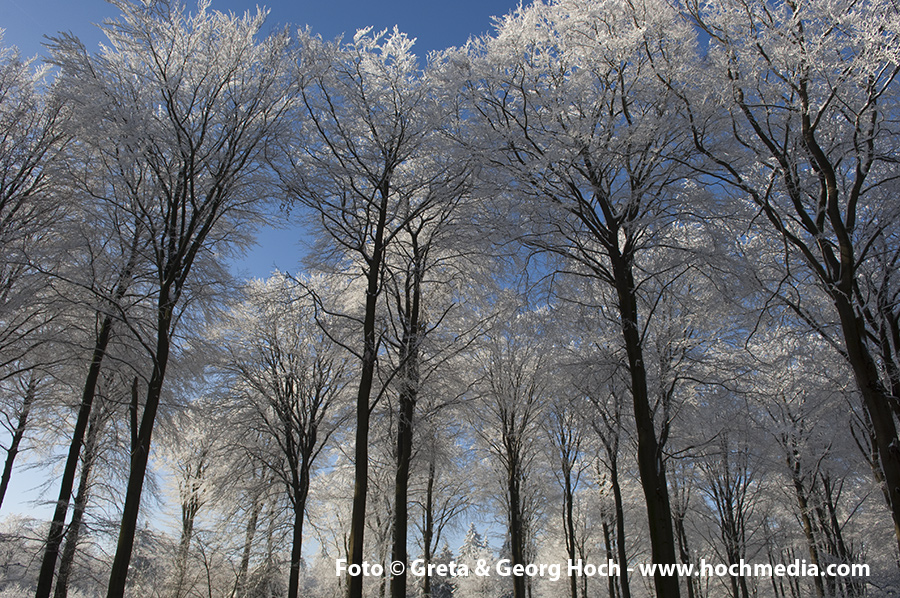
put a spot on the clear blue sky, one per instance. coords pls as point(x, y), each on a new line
point(435, 25)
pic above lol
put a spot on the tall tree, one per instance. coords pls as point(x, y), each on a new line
point(565, 428)
point(32, 142)
point(575, 110)
point(361, 132)
point(189, 100)
point(810, 91)
point(287, 380)
point(423, 269)
point(512, 395)
point(16, 402)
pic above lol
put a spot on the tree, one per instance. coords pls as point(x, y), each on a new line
point(565, 428)
point(90, 456)
point(512, 393)
point(474, 549)
point(17, 402)
point(288, 379)
point(32, 144)
point(100, 274)
point(194, 455)
point(810, 143)
point(575, 110)
point(189, 102)
point(447, 494)
point(361, 134)
point(423, 268)
point(607, 424)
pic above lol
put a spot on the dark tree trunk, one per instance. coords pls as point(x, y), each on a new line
point(363, 408)
point(18, 434)
point(684, 550)
point(569, 527)
point(651, 463)
point(620, 526)
point(78, 509)
point(409, 393)
point(834, 262)
point(517, 537)
point(609, 429)
point(141, 453)
point(361, 452)
point(101, 343)
point(607, 540)
point(301, 490)
point(806, 520)
point(249, 533)
point(428, 529)
point(57, 524)
point(843, 554)
point(876, 401)
point(401, 490)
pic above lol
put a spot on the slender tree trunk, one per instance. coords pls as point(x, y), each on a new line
point(651, 464)
point(607, 539)
point(620, 527)
point(361, 456)
point(683, 548)
point(363, 408)
point(301, 490)
point(401, 490)
point(843, 553)
point(516, 526)
point(428, 529)
point(78, 509)
point(141, 454)
point(270, 565)
point(249, 533)
point(679, 512)
point(409, 392)
point(18, 434)
point(808, 529)
point(190, 506)
point(296, 554)
point(57, 524)
point(777, 584)
point(569, 526)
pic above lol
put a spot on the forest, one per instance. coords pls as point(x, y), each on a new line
point(615, 284)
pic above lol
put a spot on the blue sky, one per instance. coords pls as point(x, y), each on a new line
point(435, 25)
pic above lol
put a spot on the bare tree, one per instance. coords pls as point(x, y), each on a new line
point(189, 101)
point(575, 111)
point(362, 132)
point(565, 427)
point(811, 92)
point(288, 379)
point(512, 398)
point(32, 141)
